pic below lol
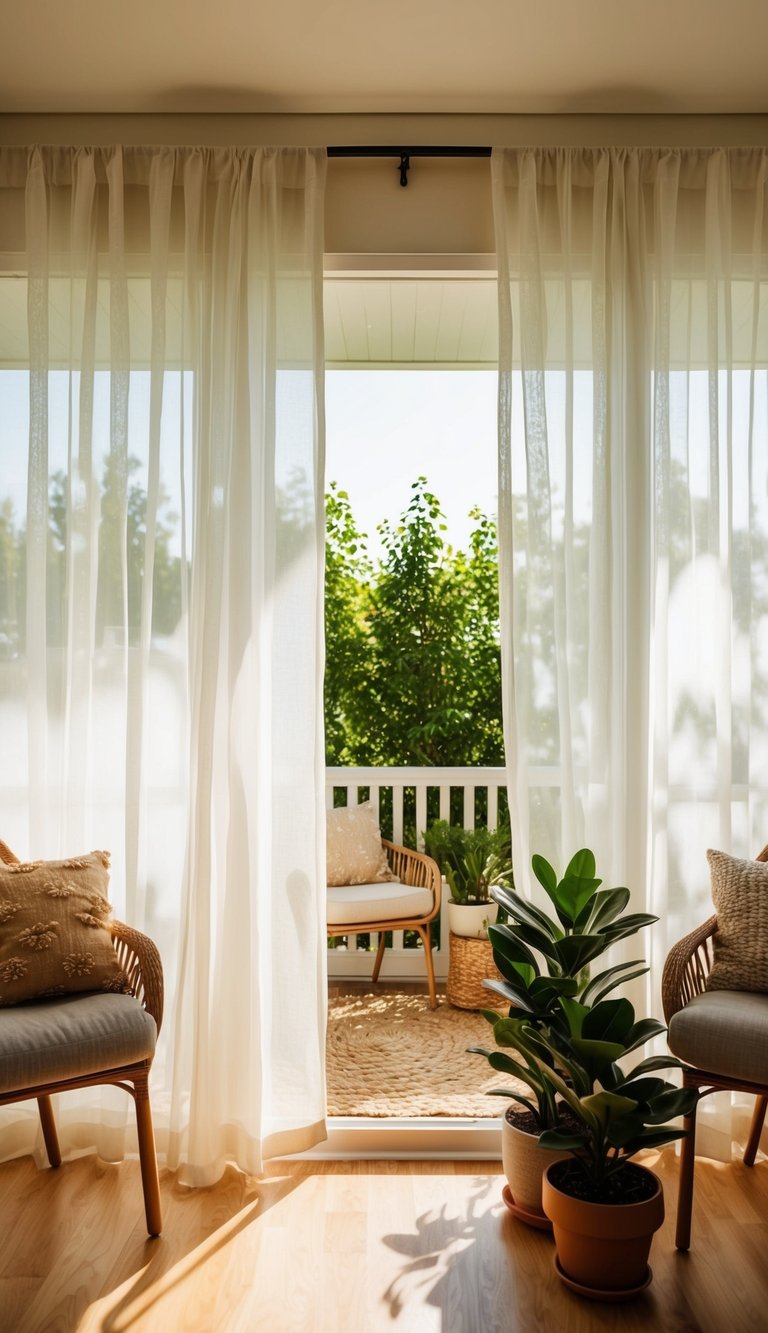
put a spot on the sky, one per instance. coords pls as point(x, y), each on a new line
point(385, 428)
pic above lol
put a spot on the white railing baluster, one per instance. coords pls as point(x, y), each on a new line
point(469, 806)
point(421, 816)
point(397, 814)
point(493, 807)
point(445, 802)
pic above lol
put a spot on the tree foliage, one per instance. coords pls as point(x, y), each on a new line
point(413, 672)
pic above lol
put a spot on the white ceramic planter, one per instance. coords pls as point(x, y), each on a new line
point(472, 919)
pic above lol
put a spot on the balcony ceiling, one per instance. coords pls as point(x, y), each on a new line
point(429, 321)
point(488, 56)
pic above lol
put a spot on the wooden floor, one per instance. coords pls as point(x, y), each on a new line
point(352, 1247)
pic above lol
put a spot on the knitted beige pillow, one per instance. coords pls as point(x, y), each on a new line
point(354, 853)
point(740, 943)
point(53, 937)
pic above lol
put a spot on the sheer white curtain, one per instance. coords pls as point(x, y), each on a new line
point(634, 514)
point(162, 510)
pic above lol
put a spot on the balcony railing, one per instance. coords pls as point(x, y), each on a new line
point(409, 799)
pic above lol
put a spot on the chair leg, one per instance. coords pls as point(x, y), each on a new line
point(756, 1129)
point(48, 1122)
point(379, 954)
point(427, 942)
point(685, 1188)
point(148, 1157)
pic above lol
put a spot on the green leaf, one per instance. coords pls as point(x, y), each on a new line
point(546, 990)
point(606, 981)
point(610, 1020)
point(575, 1013)
point(575, 951)
point(561, 1142)
point(668, 1105)
point(532, 936)
point(514, 995)
point(605, 907)
point(608, 1106)
point(581, 865)
point(509, 948)
point(595, 1055)
point(544, 874)
point(515, 1097)
point(643, 1089)
point(519, 909)
point(642, 1032)
point(626, 925)
point(653, 1062)
point(573, 895)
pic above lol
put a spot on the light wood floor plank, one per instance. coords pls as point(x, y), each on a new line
point(352, 1247)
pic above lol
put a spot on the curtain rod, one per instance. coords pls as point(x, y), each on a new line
point(405, 154)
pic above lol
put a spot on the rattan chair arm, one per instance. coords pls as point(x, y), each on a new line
point(416, 869)
point(140, 960)
point(687, 967)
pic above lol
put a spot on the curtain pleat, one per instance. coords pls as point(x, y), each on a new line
point(165, 693)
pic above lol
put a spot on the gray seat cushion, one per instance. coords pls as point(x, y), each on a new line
point(44, 1041)
point(724, 1032)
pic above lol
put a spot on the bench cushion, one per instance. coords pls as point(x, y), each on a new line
point(45, 1041)
point(360, 903)
point(724, 1032)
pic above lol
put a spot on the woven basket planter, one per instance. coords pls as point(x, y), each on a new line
point(470, 963)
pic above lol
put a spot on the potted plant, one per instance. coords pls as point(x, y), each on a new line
point(543, 961)
point(604, 1207)
point(473, 862)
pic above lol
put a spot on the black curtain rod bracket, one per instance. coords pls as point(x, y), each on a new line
point(404, 155)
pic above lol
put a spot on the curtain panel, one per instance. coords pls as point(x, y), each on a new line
point(634, 515)
point(161, 504)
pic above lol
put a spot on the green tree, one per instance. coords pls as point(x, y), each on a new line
point(413, 667)
point(348, 575)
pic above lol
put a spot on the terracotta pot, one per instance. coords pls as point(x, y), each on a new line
point(472, 919)
point(524, 1163)
point(603, 1248)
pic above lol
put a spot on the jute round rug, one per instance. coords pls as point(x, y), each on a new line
point(391, 1055)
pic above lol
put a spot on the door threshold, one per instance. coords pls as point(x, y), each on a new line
point(425, 1137)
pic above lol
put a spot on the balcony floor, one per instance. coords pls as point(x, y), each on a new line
point(390, 1055)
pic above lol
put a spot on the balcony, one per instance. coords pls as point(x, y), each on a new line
point(408, 800)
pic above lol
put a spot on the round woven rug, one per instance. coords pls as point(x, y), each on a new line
point(391, 1055)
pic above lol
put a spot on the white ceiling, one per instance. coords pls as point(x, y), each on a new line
point(411, 56)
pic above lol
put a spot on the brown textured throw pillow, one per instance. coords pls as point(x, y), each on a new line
point(740, 943)
point(53, 937)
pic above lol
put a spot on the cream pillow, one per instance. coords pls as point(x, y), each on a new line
point(740, 943)
point(354, 853)
point(53, 936)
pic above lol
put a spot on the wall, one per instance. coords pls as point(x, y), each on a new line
point(446, 208)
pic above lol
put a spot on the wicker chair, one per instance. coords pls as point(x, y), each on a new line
point(118, 1025)
point(414, 870)
point(734, 1024)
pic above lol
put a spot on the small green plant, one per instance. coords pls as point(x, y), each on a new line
point(474, 861)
